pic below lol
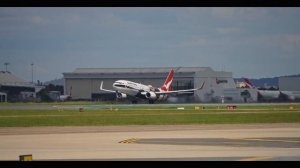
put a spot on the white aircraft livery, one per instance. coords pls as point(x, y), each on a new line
point(274, 94)
point(67, 96)
point(124, 88)
point(266, 94)
point(292, 95)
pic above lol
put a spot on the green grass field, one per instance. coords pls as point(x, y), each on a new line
point(102, 115)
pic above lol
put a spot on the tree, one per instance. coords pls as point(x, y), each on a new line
point(245, 94)
point(44, 93)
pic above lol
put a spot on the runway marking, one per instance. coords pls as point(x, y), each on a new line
point(270, 140)
point(256, 158)
point(131, 140)
point(233, 142)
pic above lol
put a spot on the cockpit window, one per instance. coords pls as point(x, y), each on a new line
point(118, 85)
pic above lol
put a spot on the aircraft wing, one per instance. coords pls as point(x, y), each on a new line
point(180, 91)
point(101, 88)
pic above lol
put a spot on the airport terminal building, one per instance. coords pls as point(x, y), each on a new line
point(83, 83)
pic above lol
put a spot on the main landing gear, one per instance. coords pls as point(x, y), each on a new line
point(135, 101)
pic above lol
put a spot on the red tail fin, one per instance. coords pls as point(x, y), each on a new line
point(168, 81)
point(248, 83)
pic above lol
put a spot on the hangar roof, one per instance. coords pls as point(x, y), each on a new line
point(140, 70)
point(7, 78)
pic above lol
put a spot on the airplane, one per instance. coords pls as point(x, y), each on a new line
point(292, 95)
point(124, 88)
point(274, 94)
point(265, 94)
point(66, 97)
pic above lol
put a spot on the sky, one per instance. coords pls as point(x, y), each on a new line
point(249, 42)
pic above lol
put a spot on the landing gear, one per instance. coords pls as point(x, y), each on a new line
point(151, 101)
point(134, 101)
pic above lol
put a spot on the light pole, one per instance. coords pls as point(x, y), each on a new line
point(6, 63)
point(31, 72)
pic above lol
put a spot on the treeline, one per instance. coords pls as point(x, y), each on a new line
point(44, 93)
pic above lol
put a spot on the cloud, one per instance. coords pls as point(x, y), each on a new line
point(223, 13)
point(291, 43)
point(87, 36)
point(295, 38)
point(38, 20)
point(190, 42)
point(73, 18)
point(228, 30)
point(288, 45)
point(241, 13)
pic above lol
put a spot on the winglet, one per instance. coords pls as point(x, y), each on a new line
point(101, 85)
point(202, 85)
point(106, 90)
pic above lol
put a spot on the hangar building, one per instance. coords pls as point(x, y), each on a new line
point(290, 86)
point(83, 83)
point(289, 83)
point(13, 88)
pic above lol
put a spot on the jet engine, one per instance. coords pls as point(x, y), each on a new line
point(150, 95)
point(121, 96)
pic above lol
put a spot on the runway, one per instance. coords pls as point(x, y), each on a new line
point(237, 142)
point(61, 106)
point(282, 142)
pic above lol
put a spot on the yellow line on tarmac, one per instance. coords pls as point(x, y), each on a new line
point(256, 158)
point(131, 140)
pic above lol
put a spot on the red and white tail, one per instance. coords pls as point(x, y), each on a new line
point(168, 82)
point(248, 83)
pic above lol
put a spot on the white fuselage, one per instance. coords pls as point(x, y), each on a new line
point(292, 95)
point(130, 88)
point(269, 94)
point(64, 97)
point(124, 88)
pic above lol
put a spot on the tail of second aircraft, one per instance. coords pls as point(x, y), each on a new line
point(168, 82)
point(248, 83)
